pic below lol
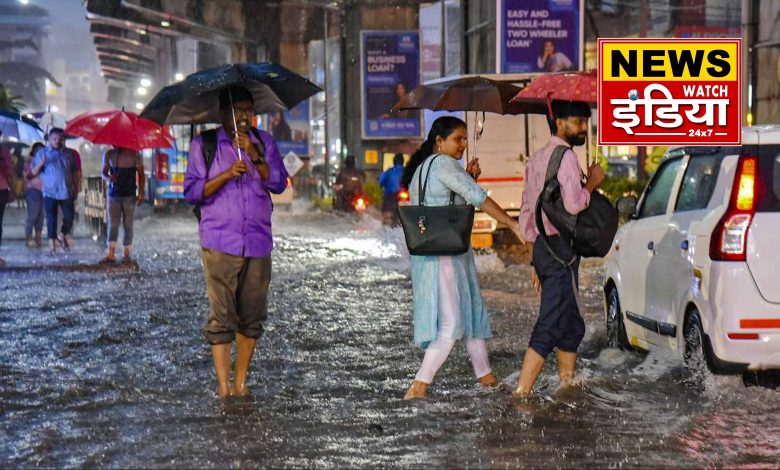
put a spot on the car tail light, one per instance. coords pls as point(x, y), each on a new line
point(729, 239)
point(743, 335)
point(403, 196)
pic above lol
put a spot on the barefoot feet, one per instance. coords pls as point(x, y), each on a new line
point(417, 390)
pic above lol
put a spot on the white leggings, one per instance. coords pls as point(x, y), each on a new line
point(449, 313)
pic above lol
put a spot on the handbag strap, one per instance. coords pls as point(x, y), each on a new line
point(423, 186)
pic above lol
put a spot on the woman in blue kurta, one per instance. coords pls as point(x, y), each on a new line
point(447, 302)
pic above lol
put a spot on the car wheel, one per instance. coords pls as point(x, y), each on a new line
point(616, 329)
point(695, 356)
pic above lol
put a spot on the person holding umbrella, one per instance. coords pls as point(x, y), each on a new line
point(560, 325)
point(122, 165)
point(6, 186)
point(121, 168)
point(56, 165)
point(235, 230)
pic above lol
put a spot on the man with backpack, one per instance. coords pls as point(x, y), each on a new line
point(555, 263)
point(229, 176)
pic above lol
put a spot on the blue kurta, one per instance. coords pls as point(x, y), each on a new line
point(447, 175)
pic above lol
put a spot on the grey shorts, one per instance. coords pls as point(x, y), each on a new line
point(237, 288)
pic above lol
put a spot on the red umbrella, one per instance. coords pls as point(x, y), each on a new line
point(581, 86)
point(121, 129)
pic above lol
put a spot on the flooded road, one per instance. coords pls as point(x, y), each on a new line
point(109, 369)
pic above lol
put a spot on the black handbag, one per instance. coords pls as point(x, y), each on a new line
point(436, 230)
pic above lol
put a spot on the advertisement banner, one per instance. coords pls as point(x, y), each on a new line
point(290, 129)
point(390, 68)
point(539, 36)
point(170, 167)
point(670, 92)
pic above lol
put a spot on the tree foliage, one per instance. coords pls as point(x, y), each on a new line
point(9, 101)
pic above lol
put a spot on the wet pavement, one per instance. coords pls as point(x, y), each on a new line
point(107, 367)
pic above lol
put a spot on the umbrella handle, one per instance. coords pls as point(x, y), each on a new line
point(235, 124)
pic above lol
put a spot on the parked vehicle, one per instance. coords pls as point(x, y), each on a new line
point(695, 269)
point(622, 167)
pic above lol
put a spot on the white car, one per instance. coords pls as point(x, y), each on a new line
point(697, 267)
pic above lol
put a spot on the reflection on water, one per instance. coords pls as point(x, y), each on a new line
point(110, 370)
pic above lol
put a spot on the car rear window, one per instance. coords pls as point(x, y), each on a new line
point(768, 188)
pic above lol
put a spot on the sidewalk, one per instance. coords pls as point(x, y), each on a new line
point(84, 254)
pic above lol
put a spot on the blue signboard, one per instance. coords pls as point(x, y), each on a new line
point(290, 129)
point(539, 36)
point(390, 69)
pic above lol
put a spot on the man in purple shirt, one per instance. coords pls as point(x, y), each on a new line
point(560, 324)
point(235, 232)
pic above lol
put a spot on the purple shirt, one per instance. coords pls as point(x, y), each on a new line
point(575, 197)
point(237, 219)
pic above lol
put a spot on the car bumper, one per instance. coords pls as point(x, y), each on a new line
point(739, 309)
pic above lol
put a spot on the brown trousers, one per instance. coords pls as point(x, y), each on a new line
point(238, 295)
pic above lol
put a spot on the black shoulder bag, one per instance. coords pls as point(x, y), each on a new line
point(436, 230)
point(590, 233)
point(209, 148)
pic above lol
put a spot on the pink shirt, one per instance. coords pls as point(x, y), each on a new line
point(33, 183)
point(575, 196)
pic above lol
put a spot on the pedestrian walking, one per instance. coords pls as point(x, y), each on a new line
point(390, 181)
point(18, 178)
point(57, 168)
point(6, 186)
point(33, 195)
point(560, 324)
point(121, 169)
point(232, 188)
point(448, 304)
point(75, 191)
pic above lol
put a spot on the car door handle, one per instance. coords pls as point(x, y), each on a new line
point(684, 245)
point(651, 246)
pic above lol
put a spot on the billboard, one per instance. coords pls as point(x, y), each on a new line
point(539, 36)
point(290, 129)
point(390, 68)
point(670, 92)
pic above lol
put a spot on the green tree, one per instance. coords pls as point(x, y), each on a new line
point(9, 101)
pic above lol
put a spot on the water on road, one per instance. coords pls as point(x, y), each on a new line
point(109, 369)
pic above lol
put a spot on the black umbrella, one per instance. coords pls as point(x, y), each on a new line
point(195, 100)
point(467, 94)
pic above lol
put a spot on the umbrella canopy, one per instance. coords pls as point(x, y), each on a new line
point(19, 128)
point(121, 129)
point(14, 146)
point(468, 94)
point(582, 86)
point(195, 100)
point(49, 119)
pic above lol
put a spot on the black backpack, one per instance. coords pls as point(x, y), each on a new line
point(591, 232)
point(209, 146)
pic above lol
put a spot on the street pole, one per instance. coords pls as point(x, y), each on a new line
point(641, 174)
point(326, 167)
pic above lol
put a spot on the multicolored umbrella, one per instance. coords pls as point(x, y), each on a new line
point(18, 128)
point(120, 129)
